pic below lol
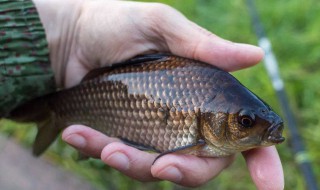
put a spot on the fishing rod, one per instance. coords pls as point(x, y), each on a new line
point(271, 65)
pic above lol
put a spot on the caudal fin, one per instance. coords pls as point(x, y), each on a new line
point(38, 111)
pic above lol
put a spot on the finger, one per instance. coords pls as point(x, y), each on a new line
point(130, 161)
point(188, 170)
point(187, 39)
point(265, 168)
point(87, 140)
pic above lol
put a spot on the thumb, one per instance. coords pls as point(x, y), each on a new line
point(185, 38)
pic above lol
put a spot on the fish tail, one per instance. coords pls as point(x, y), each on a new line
point(39, 112)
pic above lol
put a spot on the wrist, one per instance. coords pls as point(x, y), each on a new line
point(59, 19)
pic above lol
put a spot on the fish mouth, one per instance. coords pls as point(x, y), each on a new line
point(274, 134)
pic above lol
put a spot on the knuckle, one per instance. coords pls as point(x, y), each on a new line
point(160, 7)
point(160, 12)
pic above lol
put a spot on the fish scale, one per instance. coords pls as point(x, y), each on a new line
point(124, 90)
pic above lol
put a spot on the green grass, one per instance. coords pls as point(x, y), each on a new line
point(293, 28)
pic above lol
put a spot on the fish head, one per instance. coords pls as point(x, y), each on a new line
point(240, 120)
point(254, 128)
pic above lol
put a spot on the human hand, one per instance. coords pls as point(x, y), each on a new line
point(263, 163)
point(84, 35)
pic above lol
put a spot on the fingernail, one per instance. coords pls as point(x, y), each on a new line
point(118, 160)
point(76, 141)
point(171, 174)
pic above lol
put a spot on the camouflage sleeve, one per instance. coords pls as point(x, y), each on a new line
point(25, 71)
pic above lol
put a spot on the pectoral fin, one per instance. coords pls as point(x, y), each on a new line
point(192, 149)
point(137, 145)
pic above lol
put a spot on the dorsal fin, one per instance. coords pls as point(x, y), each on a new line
point(136, 60)
point(142, 59)
point(96, 72)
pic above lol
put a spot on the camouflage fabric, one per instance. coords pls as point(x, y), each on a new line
point(25, 71)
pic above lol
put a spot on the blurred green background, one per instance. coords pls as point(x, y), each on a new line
point(294, 30)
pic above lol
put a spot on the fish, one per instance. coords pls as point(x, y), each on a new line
point(160, 103)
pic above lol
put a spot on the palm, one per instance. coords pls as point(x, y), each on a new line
point(135, 34)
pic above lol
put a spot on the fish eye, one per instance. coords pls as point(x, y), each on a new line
point(246, 119)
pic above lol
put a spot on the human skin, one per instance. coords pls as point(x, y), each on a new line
point(84, 35)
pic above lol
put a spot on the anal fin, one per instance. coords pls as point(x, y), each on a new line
point(82, 156)
point(47, 133)
point(38, 111)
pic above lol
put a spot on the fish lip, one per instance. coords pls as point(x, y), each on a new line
point(274, 134)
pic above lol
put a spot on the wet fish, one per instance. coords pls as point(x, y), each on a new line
point(160, 103)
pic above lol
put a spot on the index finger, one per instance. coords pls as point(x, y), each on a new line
point(265, 168)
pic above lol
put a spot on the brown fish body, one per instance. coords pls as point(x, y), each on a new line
point(166, 104)
point(157, 105)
